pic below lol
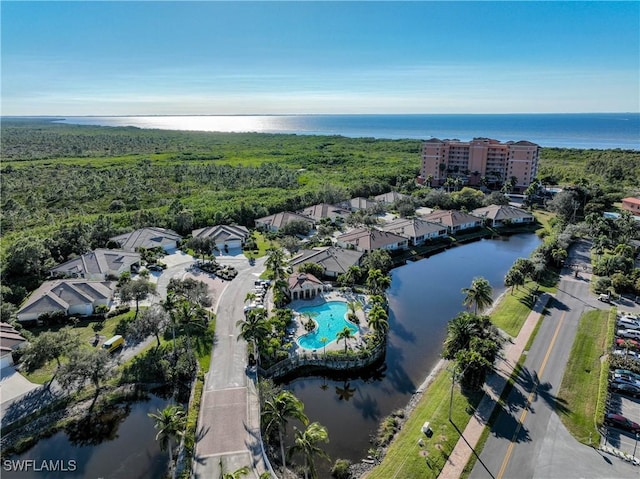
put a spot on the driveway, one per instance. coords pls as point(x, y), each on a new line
point(13, 386)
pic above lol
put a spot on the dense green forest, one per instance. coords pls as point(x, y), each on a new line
point(68, 188)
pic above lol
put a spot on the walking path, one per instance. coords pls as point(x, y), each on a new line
point(495, 384)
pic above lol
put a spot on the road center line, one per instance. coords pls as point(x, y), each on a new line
point(523, 416)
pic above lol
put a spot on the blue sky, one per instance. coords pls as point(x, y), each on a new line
point(119, 58)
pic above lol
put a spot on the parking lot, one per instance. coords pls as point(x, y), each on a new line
point(627, 405)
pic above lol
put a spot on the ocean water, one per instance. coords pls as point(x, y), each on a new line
point(575, 130)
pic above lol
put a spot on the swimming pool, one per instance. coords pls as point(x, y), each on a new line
point(330, 317)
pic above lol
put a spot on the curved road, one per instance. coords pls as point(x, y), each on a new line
point(528, 440)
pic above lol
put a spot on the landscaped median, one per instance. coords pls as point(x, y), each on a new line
point(583, 385)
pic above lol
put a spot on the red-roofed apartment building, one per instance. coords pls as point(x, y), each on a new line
point(480, 157)
point(632, 205)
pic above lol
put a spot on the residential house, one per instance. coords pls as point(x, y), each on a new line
point(66, 296)
point(334, 261)
point(229, 236)
point(10, 340)
point(365, 239)
point(454, 220)
point(97, 265)
point(304, 286)
point(358, 203)
point(390, 197)
point(500, 215)
point(325, 210)
point(632, 205)
point(148, 238)
point(278, 220)
point(417, 230)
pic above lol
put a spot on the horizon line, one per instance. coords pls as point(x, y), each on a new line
point(133, 115)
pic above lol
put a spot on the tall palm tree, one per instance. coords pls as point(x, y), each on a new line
point(478, 294)
point(254, 329)
point(345, 335)
point(250, 297)
point(275, 263)
point(170, 423)
point(460, 330)
point(169, 305)
point(306, 443)
point(276, 414)
point(377, 282)
point(378, 320)
point(353, 306)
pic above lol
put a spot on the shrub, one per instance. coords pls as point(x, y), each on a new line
point(340, 469)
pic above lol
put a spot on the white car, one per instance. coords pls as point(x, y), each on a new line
point(627, 353)
point(628, 323)
point(628, 333)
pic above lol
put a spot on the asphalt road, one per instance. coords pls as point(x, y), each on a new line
point(229, 423)
point(528, 440)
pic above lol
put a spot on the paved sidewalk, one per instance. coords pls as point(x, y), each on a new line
point(493, 389)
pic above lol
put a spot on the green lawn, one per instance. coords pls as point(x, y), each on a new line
point(85, 330)
point(404, 458)
point(581, 382)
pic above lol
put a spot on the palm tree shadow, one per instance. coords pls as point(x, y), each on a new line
point(529, 381)
point(368, 406)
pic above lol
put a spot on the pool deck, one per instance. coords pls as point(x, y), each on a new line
point(326, 297)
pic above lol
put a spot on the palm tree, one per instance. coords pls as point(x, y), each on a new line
point(324, 340)
point(460, 330)
point(478, 295)
point(250, 297)
point(378, 320)
point(306, 443)
point(345, 335)
point(275, 263)
point(514, 278)
point(169, 305)
point(353, 306)
point(276, 414)
point(254, 329)
point(377, 282)
point(170, 423)
point(345, 392)
point(237, 474)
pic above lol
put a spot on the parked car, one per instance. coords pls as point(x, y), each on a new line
point(604, 297)
point(627, 322)
point(626, 372)
point(622, 379)
point(628, 333)
point(625, 389)
point(629, 354)
point(620, 343)
point(154, 267)
point(621, 422)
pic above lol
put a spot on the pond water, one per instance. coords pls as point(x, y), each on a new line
point(423, 297)
point(120, 445)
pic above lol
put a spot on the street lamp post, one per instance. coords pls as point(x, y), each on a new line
point(636, 445)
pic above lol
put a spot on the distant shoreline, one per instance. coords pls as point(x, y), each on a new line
point(602, 131)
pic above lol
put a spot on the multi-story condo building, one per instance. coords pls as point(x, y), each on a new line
point(472, 160)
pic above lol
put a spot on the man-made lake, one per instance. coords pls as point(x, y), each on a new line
point(121, 445)
point(423, 297)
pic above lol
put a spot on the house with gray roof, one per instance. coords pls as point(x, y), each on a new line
point(390, 197)
point(500, 215)
point(358, 203)
point(97, 265)
point(278, 220)
point(333, 260)
point(10, 340)
point(148, 238)
point(229, 236)
point(325, 210)
point(366, 239)
point(417, 230)
point(454, 220)
point(67, 296)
